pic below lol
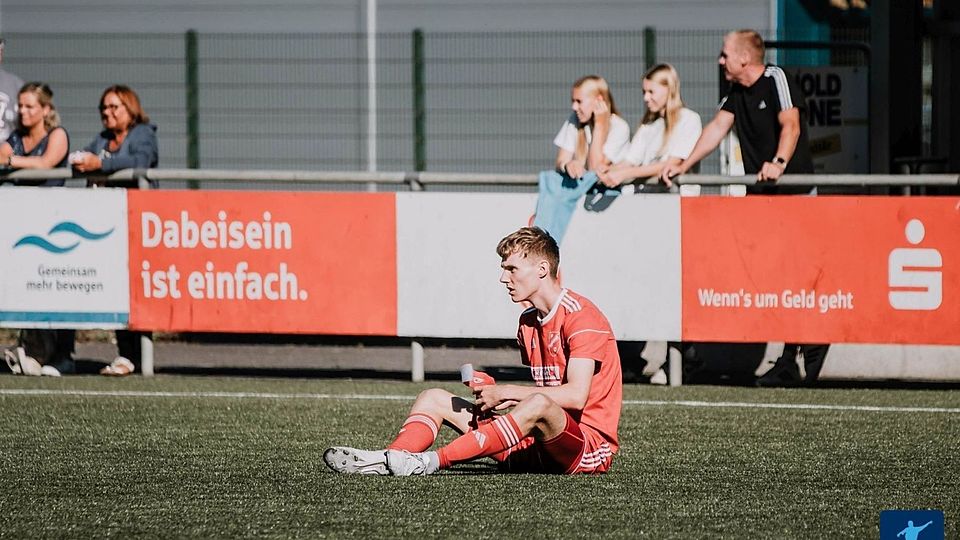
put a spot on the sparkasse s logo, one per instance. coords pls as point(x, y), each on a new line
point(915, 277)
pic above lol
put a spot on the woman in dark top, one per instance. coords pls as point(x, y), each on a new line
point(128, 141)
point(39, 143)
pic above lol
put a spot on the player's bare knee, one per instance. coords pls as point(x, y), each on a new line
point(537, 405)
point(433, 400)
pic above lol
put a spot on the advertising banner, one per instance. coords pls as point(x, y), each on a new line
point(64, 258)
point(624, 255)
point(821, 269)
point(626, 259)
point(837, 117)
point(267, 262)
point(448, 268)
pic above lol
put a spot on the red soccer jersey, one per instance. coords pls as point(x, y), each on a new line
point(576, 328)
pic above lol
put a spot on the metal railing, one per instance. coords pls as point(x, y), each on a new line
point(422, 180)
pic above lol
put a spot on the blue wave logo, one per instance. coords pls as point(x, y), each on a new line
point(62, 227)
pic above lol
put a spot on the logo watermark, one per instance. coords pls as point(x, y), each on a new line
point(911, 525)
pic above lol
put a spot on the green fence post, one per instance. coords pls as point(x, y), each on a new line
point(419, 105)
point(650, 46)
point(193, 105)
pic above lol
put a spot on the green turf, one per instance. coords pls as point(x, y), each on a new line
point(232, 466)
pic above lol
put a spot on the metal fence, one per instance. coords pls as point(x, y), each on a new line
point(492, 102)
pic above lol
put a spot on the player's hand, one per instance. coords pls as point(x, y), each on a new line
point(488, 397)
point(670, 172)
point(506, 405)
point(770, 172)
point(576, 169)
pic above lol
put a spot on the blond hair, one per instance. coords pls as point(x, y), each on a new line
point(44, 96)
point(750, 42)
point(594, 85)
point(531, 242)
point(665, 75)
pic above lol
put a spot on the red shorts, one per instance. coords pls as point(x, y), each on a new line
point(577, 450)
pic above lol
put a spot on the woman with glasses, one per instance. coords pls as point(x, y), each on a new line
point(128, 140)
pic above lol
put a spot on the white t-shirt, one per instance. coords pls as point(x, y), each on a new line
point(617, 137)
point(645, 146)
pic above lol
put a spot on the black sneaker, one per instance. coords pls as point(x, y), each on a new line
point(785, 373)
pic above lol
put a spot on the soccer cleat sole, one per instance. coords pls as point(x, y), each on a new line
point(346, 461)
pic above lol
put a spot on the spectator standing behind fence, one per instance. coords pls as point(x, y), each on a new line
point(767, 110)
point(590, 140)
point(128, 141)
point(38, 142)
point(666, 134)
point(10, 86)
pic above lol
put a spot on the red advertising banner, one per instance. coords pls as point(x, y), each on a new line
point(267, 262)
point(821, 269)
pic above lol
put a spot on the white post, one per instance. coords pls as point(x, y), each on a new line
point(146, 355)
point(416, 364)
point(675, 366)
point(371, 85)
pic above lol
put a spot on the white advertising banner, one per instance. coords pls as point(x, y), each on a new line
point(448, 270)
point(625, 258)
point(64, 258)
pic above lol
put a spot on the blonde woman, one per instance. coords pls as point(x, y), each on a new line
point(594, 135)
point(667, 133)
point(590, 140)
point(38, 142)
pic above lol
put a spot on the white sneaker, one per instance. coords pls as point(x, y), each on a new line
point(19, 363)
point(64, 366)
point(403, 463)
point(348, 460)
point(660, 377)
point(49, 371)
point(13, 361)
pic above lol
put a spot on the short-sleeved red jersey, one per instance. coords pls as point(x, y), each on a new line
point(575, 328)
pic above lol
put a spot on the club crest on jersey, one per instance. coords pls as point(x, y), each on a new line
point(554, 344)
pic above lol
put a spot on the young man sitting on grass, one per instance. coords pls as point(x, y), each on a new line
point(566, 424)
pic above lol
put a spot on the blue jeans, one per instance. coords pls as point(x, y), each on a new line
point(558, 198)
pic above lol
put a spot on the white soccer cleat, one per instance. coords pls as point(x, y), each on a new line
point(346, 460)
point(403, 463)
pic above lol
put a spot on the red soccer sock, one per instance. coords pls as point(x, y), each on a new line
point(416, 435)
point(488, 440)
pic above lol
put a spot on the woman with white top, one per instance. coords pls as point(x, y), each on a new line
point(666, 134)
point(594, 135)
point(590, 140)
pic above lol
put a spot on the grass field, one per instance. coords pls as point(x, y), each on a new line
point(216, 457)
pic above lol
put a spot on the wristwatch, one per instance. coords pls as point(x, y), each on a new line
point(780, 161)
